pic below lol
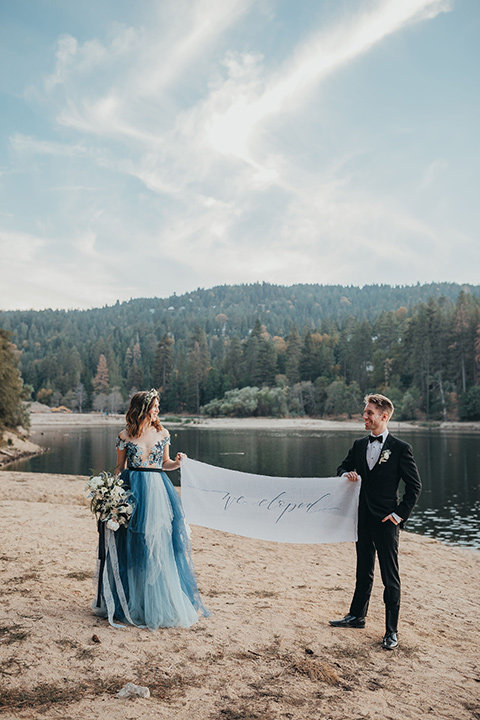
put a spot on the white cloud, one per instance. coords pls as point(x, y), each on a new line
point(31, 280)
point(195, 28)
point(432, 173)
point(153, 59)
point(66, 51)
point(188, 133)
point(320, 55)
point(20, 247)
point(31, 146)
point(86, 244)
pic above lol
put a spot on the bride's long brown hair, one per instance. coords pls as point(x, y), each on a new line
point(137, 418)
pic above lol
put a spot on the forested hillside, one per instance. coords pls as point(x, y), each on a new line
point(305, 349)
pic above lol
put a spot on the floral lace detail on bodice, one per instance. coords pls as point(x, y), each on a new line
point(135, 453)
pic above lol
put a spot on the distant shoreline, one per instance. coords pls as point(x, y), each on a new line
point(17, 446)
point(49, 419)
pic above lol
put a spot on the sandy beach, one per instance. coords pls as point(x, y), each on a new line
point(267, 650)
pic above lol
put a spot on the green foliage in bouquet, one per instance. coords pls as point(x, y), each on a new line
point(109, 500)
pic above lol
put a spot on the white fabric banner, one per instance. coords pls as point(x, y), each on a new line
point(291, 510)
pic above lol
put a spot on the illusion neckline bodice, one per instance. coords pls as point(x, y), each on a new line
point(136, 453)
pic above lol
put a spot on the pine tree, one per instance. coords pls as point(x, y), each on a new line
point(266, 364)
point(198, 364)
point(293, 353)
point(232, 364)
point(135, 377)
point(250, 353)
point(100, 382)
point(163, 363)
point(12, 390)
point(476, 347)
point(308, 359)
point(465, 325)
point(362, 352)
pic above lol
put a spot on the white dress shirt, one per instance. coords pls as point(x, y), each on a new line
point(374, 450)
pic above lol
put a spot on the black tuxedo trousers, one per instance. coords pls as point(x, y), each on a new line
point(375, 536)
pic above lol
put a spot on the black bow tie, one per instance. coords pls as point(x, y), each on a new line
point(372, 438)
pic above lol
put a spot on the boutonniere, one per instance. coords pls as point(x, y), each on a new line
point(384, 456)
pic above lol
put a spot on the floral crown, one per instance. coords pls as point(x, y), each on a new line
point(148, 399)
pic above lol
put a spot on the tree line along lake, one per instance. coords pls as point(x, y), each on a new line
point(449, 507)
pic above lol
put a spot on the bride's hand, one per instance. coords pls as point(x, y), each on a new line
point(180, 456)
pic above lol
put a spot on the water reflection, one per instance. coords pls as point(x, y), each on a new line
point(449, 507)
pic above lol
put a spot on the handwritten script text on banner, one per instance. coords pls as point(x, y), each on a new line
point(292, 510)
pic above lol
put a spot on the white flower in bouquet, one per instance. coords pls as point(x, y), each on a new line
point(109, 500)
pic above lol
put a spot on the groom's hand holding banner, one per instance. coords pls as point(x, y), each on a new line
point(291, 510)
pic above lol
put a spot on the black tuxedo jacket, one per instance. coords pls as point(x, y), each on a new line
point(379, 491)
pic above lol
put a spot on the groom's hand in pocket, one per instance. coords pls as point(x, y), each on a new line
point(390, 517)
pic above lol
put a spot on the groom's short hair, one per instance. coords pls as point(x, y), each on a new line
point(382, 402)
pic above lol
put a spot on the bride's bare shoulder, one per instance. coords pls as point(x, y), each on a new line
point(163, 433)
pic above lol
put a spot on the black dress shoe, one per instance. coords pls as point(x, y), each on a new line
point(390, 641)
point(349, 621)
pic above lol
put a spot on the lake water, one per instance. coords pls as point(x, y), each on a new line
point(449, 507)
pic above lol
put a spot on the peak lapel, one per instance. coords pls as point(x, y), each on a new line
point(364, 467)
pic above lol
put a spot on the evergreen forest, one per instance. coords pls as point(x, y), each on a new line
point(259, 349)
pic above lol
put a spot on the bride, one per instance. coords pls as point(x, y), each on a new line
point(146, 575)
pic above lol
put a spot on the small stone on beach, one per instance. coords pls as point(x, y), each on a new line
point(130, 690)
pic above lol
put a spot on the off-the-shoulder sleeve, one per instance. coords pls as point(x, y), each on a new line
point(167, 440)
point(120, 444)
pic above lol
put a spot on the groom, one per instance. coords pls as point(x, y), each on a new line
point(381, 460)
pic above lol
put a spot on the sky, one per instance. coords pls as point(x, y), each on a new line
point(155, 147)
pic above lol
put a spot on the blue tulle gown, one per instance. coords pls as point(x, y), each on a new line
point(145, 572)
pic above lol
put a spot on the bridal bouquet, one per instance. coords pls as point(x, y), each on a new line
point(109, 499)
